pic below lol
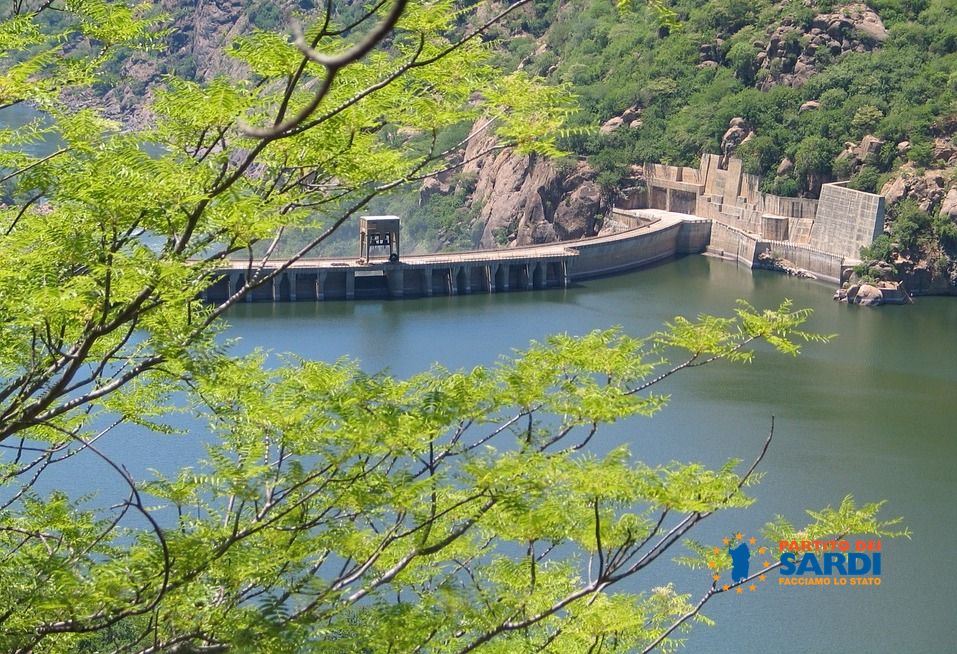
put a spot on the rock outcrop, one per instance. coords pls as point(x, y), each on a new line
point(524, 200)
point(631, 117)
point(769, 261)
point(857, 155)
point(738, 133)
point(197, 50)
point(929, 188)
point(872, 295)
point(789, 54)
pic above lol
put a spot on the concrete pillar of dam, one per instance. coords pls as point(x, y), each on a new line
point(459, 280)
point(236, 283)
point(350, 284)
point(490, 279)
point(425, 283)
point(395, 279)
point(321, 284)
point(293, 283)
point(567, 272)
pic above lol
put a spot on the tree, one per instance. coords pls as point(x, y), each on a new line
point(336, 511)
point(812, 163)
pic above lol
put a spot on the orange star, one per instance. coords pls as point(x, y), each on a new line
point(761, 577)
point(716, 577)
point(752, 586)
point(753, 541)
point(739, 589)
point(739, 536)
point(710, 564)
point(725, 541)
point(766, 564)
point(761, 551)
point(725, 586)
point(716, 550)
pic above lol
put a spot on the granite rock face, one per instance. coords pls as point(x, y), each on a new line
point(525, 199)
point(931, 189)
point(788, 55)
point(203, 31)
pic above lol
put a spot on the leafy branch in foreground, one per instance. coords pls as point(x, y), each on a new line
point(109, 241)
point(449, 512)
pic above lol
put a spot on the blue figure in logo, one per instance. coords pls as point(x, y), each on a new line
point(739, 561)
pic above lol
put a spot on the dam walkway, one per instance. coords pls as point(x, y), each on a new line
point(653, 236)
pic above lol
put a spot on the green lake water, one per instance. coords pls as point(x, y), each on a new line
point(870, 414)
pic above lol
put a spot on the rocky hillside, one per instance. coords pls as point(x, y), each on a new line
point(521, 200)
point(201, 32)
point(803, 91)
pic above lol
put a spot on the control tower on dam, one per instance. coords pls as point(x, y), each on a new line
point(653, 236)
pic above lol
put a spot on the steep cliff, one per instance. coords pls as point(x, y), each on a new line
point(524, 200)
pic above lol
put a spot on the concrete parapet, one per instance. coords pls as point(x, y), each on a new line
point(626, 250)
point(629, 218)
point(826, 266)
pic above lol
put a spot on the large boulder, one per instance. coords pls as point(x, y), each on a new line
point(894, 190)
point(611, 125)
point(868, 296)
point(948, 208)
point(869, 148)
point(575, 214)
point(738, 132)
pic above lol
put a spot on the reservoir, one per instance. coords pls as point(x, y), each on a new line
point(871, 414)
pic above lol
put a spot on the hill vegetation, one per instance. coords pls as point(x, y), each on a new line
point(828, 91)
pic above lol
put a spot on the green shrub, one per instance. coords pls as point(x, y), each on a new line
point(866, 180)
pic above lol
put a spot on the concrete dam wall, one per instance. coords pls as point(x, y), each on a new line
point(656, 236)
point(680, 211)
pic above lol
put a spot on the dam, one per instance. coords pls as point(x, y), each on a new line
point(715, 208)
point(653, 236)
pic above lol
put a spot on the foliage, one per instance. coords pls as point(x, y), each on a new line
point(339, 505)
point(866, 180)
point(335, 510)
point(910, 225)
